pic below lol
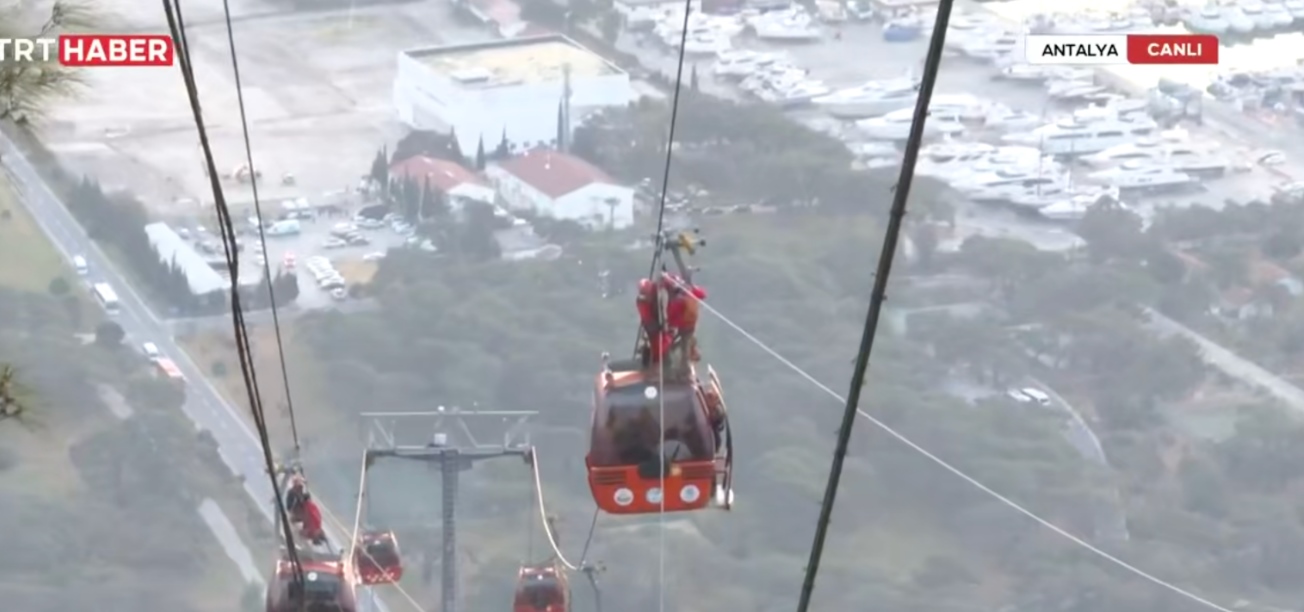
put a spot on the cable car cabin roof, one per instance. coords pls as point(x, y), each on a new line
point(538, 571)
point(331, 568)
point(539, 585)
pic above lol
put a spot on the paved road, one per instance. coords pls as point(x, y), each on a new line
point(237, 443)
point(1111, 520)
point(1232, 364)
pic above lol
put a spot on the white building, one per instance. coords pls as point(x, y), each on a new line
point(174, 249)
point(507, 87)
point(449, 178)
point(561, 186)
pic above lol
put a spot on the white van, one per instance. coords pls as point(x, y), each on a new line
point(79, 264)
point(1037, 395)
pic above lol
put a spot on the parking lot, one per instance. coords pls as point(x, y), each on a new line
point(319, 237)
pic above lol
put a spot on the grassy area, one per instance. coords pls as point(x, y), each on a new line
point(27, 260)
point(45, 475)
point(315, 419)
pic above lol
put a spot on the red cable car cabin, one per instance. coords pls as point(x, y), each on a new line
point(325, 588)
point(378, 559)
point(627, 458)
point(541, 588)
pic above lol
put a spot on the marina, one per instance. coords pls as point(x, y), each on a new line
point(1010, 138)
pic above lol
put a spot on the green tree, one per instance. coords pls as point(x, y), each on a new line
point(380, 169)
point(480, 160)
point(109, 334)
point(15, 399)
point(26, 90)
point(59, 286)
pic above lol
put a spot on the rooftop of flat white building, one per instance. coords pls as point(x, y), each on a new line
point(518, 61)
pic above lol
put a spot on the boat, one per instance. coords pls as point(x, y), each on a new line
point(1254, 10)
point(946, 160)
point(1074, 90)
point(1144, 176)
point(903, 30)
point(735, 63)
point(707, 45)
point(998, 186)
point(1277, 16)
point(990, 45)
point(1025, 73)
point(1076, 207)
point(786, 26)
point(956, 170)
point(959, 107)
point(871, 99)
point(1208, 20)
point(1038, 199)
point(1069, 137)
point(874, 150)
point(1296, 8)
point(896, 126)
point(799, 94)
point(1113, 107)
point(1238, 22)
point(1150, 149)
point(1111, 23)
point(1006, 119)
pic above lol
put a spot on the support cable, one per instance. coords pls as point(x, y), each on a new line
point(670, 146)
point(358, 524)
point(547, 525)
point(262, 234)
point(959, 473)
point(896, 216)
point(176, 26)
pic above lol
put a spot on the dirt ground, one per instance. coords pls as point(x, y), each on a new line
point(315, 421)
point(316, 88)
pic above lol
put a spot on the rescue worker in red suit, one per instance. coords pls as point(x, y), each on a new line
point(681, 316)
point(304, 510)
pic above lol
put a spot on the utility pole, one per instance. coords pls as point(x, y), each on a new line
point(447, 441)
point(564, 144)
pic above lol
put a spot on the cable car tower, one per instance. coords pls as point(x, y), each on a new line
point(444, 438)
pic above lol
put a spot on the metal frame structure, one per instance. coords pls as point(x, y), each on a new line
point(455, 449)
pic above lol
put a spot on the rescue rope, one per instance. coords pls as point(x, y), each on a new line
point(663, 353)
point(957, 472)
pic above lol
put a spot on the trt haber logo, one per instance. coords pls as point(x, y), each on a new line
point(87, 50)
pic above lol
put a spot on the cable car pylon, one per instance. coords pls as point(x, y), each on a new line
point(445, 438)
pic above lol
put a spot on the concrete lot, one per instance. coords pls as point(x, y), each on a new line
point(316, 87)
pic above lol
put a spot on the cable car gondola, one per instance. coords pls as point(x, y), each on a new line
point(325, 588)
point(541, 588)
point(628, 454)
point(378, 559)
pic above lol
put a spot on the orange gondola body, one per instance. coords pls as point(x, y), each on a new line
point(628, 458)
point(326, 587)
point(378, 559)
point(541, 588)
